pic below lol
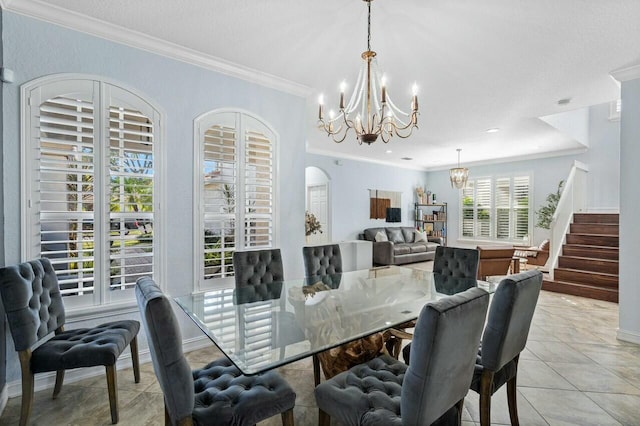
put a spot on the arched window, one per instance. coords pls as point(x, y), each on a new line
point(90, 191)
point(235, 191)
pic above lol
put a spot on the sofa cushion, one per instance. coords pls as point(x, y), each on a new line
point(401, 248)
point(409, 235)
point(381, 236)
point(395, 235)
point(418, 247)
point(419, 237)
point(431, 246)
point(370, 233)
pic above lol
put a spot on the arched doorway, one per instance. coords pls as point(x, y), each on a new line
point(318, 202)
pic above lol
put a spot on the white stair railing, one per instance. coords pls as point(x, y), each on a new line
point(573, 200)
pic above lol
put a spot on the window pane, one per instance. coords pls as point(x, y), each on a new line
point(258, 179)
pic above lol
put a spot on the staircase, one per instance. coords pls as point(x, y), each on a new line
point(588, 265)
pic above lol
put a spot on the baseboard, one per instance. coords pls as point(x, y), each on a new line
point(4, 397)
point(603, 210)
point(628, 336)
point(47, 380)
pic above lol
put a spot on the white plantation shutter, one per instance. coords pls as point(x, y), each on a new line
point(496, 209)
point(219, 200)
point(468, 209)
point(236, 205)
point(65, 166)
point(503, 208)
point(131, 184)
point(521, 216)
point(258, 190)
point(483, 208)
point(87, 184)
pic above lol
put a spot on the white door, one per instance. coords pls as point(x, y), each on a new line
point(317, 203)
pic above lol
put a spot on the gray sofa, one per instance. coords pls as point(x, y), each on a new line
point(401, 247)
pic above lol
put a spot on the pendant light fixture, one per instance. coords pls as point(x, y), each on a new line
point(458, 175)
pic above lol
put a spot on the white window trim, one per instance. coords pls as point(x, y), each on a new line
point(493, 179)
point(27, 155)
point(199, 284)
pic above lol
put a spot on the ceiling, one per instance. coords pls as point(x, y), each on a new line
point(478, 64)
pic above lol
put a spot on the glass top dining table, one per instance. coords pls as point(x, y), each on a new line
point(269, 325)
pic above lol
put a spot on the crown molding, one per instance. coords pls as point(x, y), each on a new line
point(627, 73)
point(333, 154)
point(92, 26)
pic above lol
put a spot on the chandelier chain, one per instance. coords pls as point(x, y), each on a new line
point(369, 26)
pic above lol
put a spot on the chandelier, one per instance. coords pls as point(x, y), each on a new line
point(458, 175)
point(370, 111)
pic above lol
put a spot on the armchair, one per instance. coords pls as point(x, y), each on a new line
point(536, 256)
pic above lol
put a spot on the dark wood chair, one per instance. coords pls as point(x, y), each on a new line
point(33, 304)
point(494, 260)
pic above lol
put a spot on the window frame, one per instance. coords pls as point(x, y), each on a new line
point(200, 125)
point(100, 90)
point(493, 209)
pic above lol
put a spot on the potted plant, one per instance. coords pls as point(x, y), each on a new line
point(311, 224)
point(545, 213)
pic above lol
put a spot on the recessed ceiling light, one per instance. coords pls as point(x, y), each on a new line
point(388, 151)
point(564, 101)
point(493, 130)
point(407, 158)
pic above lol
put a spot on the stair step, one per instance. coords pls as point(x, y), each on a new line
point(594, 228)
point(589, 264)
point(597, 279)
point(592, 292)
point(594, 240)
point(596, 218)
point(594, 252)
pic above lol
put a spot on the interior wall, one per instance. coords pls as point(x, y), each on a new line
point(3, 348)
point(351, 181)
point(602, 159)
point(629, 207)
point(34, 48)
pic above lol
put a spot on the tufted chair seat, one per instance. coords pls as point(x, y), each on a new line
point(84, 347)
point(34, 308)
point(431, 389)
point(218, 394)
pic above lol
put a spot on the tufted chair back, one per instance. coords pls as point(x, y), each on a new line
point(514, 303)
point(32, 301)
point(322, 262)
point(257, 267)
point(443, 355)
point(165, 345)
point(456, 262)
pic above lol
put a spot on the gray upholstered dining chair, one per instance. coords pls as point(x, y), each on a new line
point(34, 308)
point(217, 394)
point(505, 336)
point(453, 267)
point(255, 267)
point(323, 263)
point(431, 388)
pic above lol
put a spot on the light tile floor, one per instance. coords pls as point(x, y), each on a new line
point(573, 372)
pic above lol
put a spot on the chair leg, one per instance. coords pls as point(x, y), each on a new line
point(323, 418)
point(287, 418)
point(486, 383)
point(512, 397)
point(113, 396)
point(316, 370)
point(460, 407)
point(58, 386)
point(27, 386)
point(134, 359)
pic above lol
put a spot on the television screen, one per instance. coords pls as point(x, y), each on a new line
point(393, 214)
